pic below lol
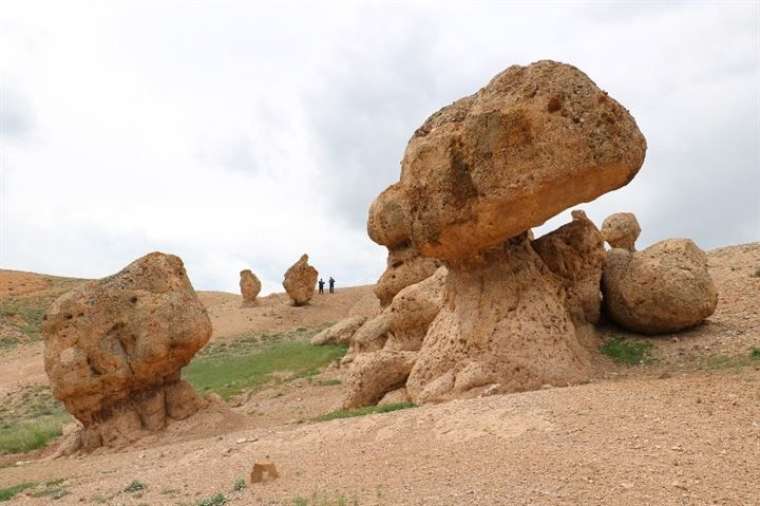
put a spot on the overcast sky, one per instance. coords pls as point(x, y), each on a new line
point(243, 134)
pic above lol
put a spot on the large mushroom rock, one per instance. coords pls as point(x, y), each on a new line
point(300, 280)
point(621, 230)
point(575, 253)
point(664, 288)
point(250, 286)
point(504, 325)
point(405, 268)
point(114, 349)
point(533, 142)
point(475, 177)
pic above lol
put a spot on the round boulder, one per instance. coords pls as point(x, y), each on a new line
point(662, 289)
point(621, 230)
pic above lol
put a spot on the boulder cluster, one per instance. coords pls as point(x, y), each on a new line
point(114, 349)
point(472, 303)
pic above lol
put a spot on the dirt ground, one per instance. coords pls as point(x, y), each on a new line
point(683, 429)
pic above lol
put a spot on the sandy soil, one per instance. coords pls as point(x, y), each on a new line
point(684, 430)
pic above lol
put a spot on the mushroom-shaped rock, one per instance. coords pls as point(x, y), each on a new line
point(534, 141)
point(250, 286)
point(372, 375)
point(475, 177)
point(405, 267)
point(341, 332)
point(664, 288)
point(300, 281)
point(621, 230)
point(575, 253)
point(114, 349)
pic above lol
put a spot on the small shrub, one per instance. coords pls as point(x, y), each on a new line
point(627, 351)
point(6, 494)
point(367, 410)
point(214, 500)
point(135, 486)
point(239, 485)
point(754, 353)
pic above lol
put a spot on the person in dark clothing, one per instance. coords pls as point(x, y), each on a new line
point(332, 285)
point(321, 285)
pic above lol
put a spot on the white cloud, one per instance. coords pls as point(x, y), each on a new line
point(242, 135)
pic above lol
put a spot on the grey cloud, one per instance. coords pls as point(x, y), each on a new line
point(15, 114)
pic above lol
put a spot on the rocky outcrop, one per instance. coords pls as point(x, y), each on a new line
point(250, 286)
point(340, 333)
point(405, 268)
point(114, 349)
point(664, 288)
point(372, 375)
point(300, 281)
point(575, 254)
point(621, 230)
point(475, 177)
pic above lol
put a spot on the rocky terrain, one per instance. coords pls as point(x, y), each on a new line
point(486, 366)
point(680, 428)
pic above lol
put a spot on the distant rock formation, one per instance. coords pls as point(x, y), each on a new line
point(621, 230)
point(512, 314)
point(664, 288)
point(114, 349)
point(250, 286)
point(300, 281)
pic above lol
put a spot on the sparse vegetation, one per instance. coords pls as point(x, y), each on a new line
point(367, 410)
point(29, 419)
point(628, 351)
point(239, 485)
point(719, 362)
point(229, 369)
point(8, 493)
point(135, 486)
point(325, 500)
point(214, 500)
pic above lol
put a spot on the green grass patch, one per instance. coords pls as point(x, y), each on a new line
point(30, 435)
point(214, 500)
point(754, 354)
point(628, 351)
point(135, 486)
point(236, 369)
point(6, 494)
point(367, 410)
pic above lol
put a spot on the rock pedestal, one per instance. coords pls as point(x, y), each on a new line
point(114, 349)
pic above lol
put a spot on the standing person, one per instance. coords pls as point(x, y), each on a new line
point(332, 285)
point(321, 285)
